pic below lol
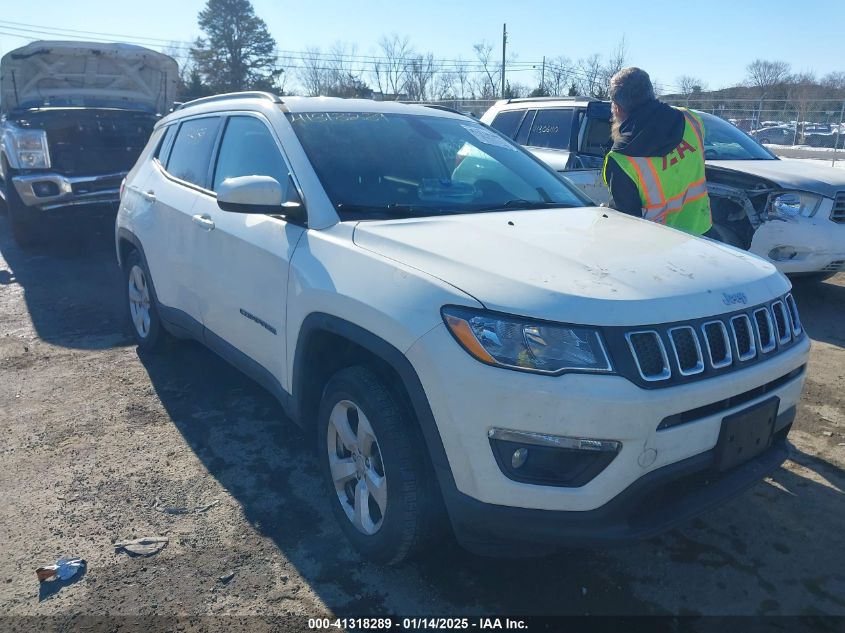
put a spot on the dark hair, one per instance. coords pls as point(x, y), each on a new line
point(631, 87)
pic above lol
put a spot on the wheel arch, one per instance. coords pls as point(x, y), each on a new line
point(326, 344)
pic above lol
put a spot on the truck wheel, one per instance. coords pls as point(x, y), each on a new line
point(382, 492)
point(25, 221)
point(144, 318)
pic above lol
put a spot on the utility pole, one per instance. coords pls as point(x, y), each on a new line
point(504, 48)
point(543, 76)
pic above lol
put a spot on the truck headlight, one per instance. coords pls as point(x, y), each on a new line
point(524, 344)
point(30, 148)
point(791, 204)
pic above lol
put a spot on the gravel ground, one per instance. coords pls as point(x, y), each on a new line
point(102, 444)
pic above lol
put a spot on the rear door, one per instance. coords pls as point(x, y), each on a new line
point(243, 260)
point(170, 237)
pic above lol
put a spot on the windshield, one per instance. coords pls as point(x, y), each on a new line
point(380, 165)
point(725, 141)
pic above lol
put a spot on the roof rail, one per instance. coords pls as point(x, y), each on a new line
point(254, 94)
point(567, 98)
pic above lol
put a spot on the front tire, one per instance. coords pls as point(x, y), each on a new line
point(381, 489)
point(144, 319)
point(25, 221)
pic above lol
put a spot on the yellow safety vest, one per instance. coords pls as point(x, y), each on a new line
point(672, 188)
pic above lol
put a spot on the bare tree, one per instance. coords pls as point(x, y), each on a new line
point(444, 85)
point(558, 75)
point(391, 72)
point(765, 75)
point(488, 82)
point(421, 72)
point(615, 63)
point(690, 86)
point(314, 75)
point(590, 76)
point(834, 80)
point(462, 78)
point(803, 89)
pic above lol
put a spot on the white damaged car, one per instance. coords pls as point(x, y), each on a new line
point(789, 212)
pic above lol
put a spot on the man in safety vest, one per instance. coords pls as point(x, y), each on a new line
point(655, 168)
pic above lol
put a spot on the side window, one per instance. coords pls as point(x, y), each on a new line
point(508, 122)
point(248, 149)
point(525, 128)
point(166, 143)
point(552, 129)
point(191, 154)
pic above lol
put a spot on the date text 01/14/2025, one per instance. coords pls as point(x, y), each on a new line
point(417, 623)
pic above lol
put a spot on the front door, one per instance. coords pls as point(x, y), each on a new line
point(242, 270)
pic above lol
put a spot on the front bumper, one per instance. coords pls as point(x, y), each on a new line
point(50, 190)
point(468, 399)
point(657, 502)
point(818, 244)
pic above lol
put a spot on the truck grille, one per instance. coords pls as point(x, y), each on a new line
point(838, 213)
point(685, 351)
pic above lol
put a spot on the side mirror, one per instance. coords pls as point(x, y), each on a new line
point(259, 194)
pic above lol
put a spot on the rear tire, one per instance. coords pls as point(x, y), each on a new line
point(142, 311)
point(381, 488)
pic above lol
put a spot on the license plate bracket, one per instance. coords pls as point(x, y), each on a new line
point(746, 434)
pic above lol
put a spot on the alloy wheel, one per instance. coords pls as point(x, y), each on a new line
point(357, 468)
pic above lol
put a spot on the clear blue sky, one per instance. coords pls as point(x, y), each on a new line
point(711, 39)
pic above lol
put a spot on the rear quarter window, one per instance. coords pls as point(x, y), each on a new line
point(551, 129)
point(190, 157)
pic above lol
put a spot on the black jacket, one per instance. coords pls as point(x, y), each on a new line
point(652, 129)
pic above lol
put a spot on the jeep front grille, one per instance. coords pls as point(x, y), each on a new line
point(838, 213)
point(685, 351)
point(649, 355)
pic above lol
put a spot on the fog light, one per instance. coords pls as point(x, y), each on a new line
point(519, 456)
point(782, 253)
point(45, 188)
point(554, 460)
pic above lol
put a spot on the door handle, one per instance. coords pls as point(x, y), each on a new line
point(150, 195)
point(203, 221)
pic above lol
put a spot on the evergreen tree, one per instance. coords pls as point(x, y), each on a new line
point(237, 52)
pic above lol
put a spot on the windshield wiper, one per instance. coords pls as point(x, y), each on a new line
point(389, 210)
point(527, 204)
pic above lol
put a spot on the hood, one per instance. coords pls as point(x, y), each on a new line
point(588, 266)
point(790, 174)
point(87, 74)
point(652, 129)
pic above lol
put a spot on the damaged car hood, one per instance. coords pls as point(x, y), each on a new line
point(587, 265)
point(789, 174)
point(87, 74)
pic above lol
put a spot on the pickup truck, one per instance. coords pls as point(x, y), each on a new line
point(75, 117)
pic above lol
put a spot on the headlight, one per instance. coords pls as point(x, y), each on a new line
point(794, 203)
point(519, 343)
point(31, 148)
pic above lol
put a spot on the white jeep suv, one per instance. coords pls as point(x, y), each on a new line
point(463, 334)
